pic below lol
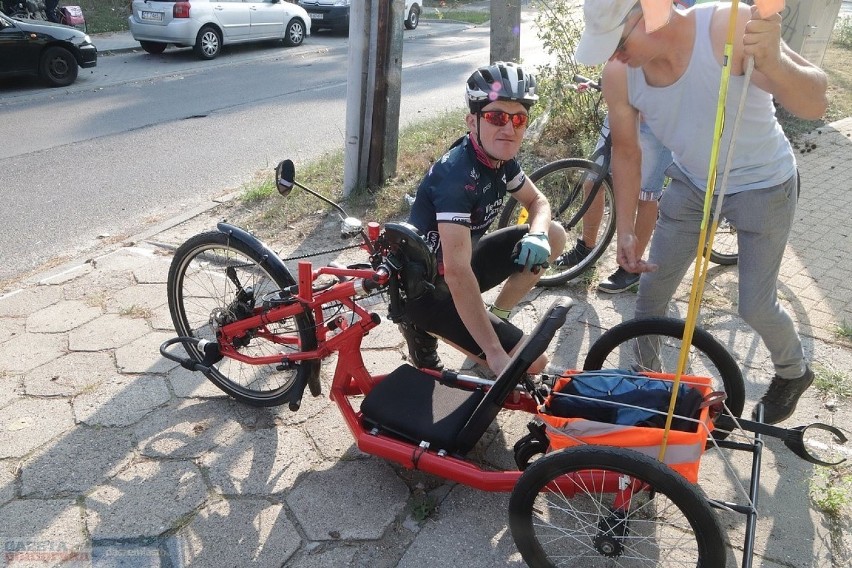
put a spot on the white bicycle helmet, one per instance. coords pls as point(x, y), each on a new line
point(500, 82)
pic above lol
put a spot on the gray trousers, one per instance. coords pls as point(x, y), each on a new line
point(763, 218)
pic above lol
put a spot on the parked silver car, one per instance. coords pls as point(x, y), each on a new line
point(207, 25)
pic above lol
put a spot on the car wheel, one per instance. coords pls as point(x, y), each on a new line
point(153, 47)
point(58, 66)
point(413, 18)
point(208, 43)
point(295, 33)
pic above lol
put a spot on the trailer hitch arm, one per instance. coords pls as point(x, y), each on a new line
point(793, 438)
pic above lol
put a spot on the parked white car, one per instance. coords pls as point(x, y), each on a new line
point(334, 14)
point(207, 25)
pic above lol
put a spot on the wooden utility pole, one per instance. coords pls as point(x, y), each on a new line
point(505, 30)
point(374, 87)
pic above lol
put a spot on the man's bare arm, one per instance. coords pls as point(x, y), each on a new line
point(464, 288)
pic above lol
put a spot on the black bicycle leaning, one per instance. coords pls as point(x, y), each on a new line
point(573, 186)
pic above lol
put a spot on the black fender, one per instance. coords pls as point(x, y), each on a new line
point(274, 262)
point(270, 258)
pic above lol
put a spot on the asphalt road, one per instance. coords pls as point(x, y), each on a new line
point(140, 138)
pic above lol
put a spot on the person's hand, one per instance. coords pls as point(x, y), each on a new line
point(533, 251)
point(626, 256)
point(498, 361)
point(762, 40)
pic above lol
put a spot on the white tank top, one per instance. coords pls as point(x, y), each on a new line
point(683, 114)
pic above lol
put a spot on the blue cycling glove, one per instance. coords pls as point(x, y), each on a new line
point(533, 251)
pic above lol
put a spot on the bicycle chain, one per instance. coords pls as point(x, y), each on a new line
point(320, 253)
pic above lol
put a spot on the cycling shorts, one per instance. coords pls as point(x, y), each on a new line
point(492, 264)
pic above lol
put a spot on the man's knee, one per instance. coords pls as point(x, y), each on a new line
point(556, 239)
point(758, 314)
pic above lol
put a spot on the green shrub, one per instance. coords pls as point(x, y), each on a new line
point(842, 34)
point(571, 121)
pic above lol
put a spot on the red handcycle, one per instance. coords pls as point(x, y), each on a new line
point(260, 335)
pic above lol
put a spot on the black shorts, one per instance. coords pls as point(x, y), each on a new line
point(492, 264)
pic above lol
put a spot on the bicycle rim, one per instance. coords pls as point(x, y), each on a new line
point(565, 184)
point(594, 507)
point(204, 295)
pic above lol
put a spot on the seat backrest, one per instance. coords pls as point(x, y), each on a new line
point(532, 348)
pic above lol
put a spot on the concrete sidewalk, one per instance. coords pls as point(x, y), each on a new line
point(108, 449)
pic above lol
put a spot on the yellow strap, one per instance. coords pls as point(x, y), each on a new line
point(702, 256)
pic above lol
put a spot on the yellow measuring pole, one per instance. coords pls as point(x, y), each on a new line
point(702, 256)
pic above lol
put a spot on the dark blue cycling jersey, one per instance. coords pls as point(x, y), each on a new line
point(461, 188)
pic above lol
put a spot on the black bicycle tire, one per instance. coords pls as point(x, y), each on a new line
point(729, 369)
point(550, 279)
point(661, 480)
point(304, 321)
point(720, 258)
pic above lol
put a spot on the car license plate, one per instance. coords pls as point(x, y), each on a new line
point(315, 16)
point(152, 16)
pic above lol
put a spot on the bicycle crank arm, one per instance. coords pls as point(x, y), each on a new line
point(793, 438)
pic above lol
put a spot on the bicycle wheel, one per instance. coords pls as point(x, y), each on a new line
point(724, 251)
point(215, 280)
point(593, 506)
point(564, 183)
point(653, 344)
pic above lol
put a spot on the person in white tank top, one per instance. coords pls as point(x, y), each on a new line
point(671, 75)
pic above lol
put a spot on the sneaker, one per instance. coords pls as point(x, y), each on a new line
point(618, 281)
point(574, 256)
point(781, 397)
point(422, 347)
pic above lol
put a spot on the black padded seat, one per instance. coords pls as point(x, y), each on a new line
point(415, 406)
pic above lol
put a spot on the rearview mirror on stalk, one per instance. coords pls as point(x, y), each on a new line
point(285, 179)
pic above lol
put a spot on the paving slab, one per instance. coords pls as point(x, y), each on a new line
point(145, 500)
point(237, 532)
point(121, 400)
point(27, 351)
point(81, 460)
point(322, 501)
point(70, 374)
point(30, 423)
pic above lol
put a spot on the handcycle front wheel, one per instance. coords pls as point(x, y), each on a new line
point(215, 280)
point(595, 506)
point(653, 344)
point(566, 183)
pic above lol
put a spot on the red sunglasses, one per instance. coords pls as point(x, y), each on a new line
point(500, 118)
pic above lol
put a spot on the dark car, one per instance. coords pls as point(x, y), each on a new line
point(51, 51)
point(334, 14)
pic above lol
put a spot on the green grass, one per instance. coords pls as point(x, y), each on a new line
point(105, 15)
point(830, 381)
point(844, 331)
point(475, 17)
point(419, 147)
point(831, 490)
point(255, 193)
